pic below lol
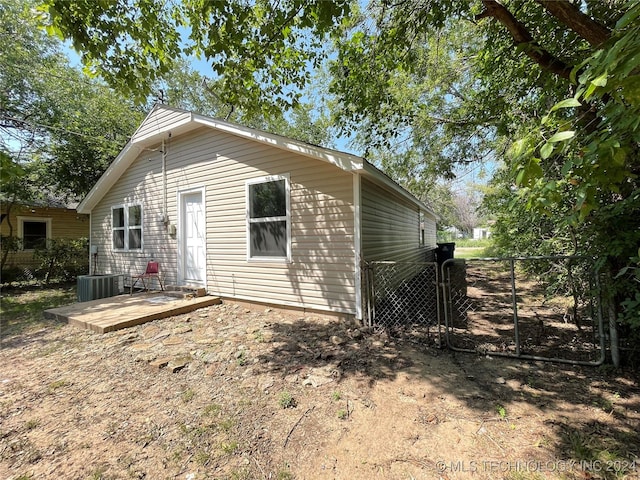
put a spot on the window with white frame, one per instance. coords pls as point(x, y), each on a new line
point(421, 228)
point(34, 232)
point(126, 226)
point(268, 218)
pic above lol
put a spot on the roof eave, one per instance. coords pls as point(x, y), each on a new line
point(342, 160)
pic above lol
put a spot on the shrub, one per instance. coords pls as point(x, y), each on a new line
point(11, 274)
point(63, 258)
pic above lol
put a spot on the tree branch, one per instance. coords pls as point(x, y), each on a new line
point(460, 122)
point(521, 36)
point(569, 14)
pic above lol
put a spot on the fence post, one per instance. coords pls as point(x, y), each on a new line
point(613, 324)
point(514, 300)
point(613, 335)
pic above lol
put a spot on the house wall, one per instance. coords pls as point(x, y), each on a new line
point(321, 274)
point(65, 223)
point(391, 227)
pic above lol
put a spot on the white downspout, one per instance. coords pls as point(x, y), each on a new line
point(91, 259)
point(165, 218)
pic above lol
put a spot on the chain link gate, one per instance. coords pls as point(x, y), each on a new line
point(533, 308)
point(400, 294)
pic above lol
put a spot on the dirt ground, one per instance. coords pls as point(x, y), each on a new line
point(232, 392)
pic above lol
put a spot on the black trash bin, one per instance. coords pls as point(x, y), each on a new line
point(444, 252)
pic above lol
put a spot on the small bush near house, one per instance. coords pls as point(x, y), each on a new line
point(11, 275)
point(9, 245)
point(63, 259)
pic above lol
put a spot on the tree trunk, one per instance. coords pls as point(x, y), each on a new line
point(5, 251)
point(570, 15)
point(522, 37)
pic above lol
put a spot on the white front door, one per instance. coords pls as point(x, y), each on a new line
point(192, 254)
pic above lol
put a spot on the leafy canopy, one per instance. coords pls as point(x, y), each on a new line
point(60, 130)
point(259, 51)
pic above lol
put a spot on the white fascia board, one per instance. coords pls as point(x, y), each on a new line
point(175, 128)
point(344, 161)
point(109, 177)
point(370, 171)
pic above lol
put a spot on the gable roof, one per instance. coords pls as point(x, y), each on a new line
point(46, 199)
point(163, 122)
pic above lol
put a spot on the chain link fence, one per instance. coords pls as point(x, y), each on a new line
point(538, 308)
point(400, 294)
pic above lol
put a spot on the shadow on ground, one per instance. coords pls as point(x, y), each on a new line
point(594, 412)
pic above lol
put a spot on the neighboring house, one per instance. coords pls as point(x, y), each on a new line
point(250, 215)
point(480, 233)
point(37, 223)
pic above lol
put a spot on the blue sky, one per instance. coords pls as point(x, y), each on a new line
point(203, 67)
point(471, 174)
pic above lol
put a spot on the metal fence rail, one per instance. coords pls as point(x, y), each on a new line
point(534, 308)
point(398, 294)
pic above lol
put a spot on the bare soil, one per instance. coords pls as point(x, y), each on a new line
point(549, 326)
point(233, 392)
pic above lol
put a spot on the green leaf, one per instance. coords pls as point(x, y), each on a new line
point(628, 17)
point(561, 136)
point(600, 81)
point(519, 147)
point(619, 157)
point(589, 91)
point(631, 89)
point(529, 173)
point(546, 151)
point(566, 168)
point(568, 103)
point(577, 69)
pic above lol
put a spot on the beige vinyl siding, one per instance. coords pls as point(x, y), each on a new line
point(141, 185)
point(159, 119)
point(65, 223)
point(321, 274)
point(429, 231)
point(390, 227)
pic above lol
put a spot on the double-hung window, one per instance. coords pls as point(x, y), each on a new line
point(268, 218)
point(126, 226)
point(34, 232)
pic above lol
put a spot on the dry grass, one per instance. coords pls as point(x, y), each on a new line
point(391, 408)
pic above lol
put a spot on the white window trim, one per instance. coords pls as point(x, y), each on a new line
point(22, 219)
point(422, 226)
point(287, 218)
point(125, 207)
